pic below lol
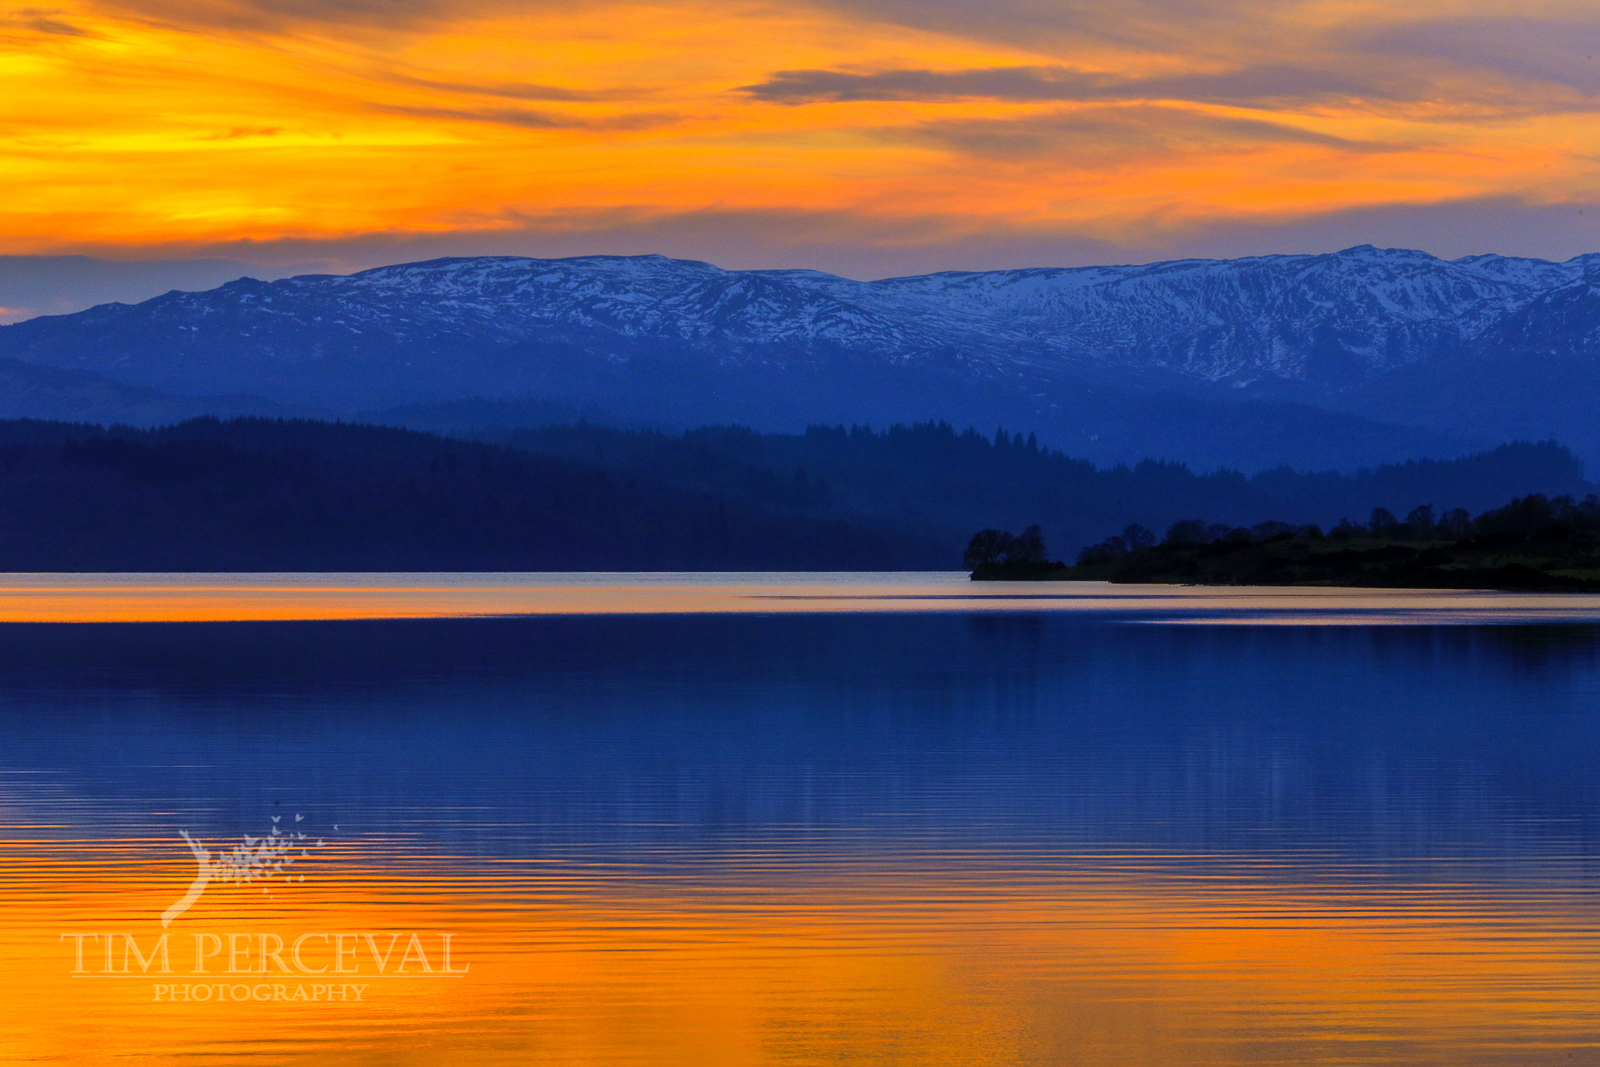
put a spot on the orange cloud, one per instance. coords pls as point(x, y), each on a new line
point(133, 125)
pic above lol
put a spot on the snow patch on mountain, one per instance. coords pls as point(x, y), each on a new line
point(1332, 319)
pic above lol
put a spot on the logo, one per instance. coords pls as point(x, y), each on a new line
point(257, 859)
point(318, 966)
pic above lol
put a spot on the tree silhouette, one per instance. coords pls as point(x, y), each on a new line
point(1419, 522)
point(986, 547)
point(1136, 537)
point(1028, 547)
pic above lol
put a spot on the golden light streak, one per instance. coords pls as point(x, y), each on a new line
point(139, 598)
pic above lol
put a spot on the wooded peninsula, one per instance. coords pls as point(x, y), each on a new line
point(1535, 543)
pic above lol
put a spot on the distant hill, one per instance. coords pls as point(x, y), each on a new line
point(929, 480)
point(1319, 361)
point(285, 494)
point(30, 391)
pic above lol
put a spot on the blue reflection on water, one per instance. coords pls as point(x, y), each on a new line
point(630, 737)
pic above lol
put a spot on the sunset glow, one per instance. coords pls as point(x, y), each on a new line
point(153, 128)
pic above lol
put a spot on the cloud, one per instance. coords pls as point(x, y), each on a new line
point(333, 18)
point(238, 133)
point(864, 245)
point(43, 21)
point(531, 120)
point(269, 15)
point(1554, 52)
point(1154, 27)
point(1250, 87)
point(992, 83)
point(1445, 66)
point(1180, 105)
point(1453, 65)
point(1090, 134)
point(1508, 225)
point(55, 26)
point(853, 243)
point(1149, 24)
point(514, 90)
point(1425, 86)
point(1277, 85)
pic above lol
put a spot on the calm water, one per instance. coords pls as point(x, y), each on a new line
point(796, 820)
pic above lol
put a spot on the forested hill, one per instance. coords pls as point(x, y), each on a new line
point(256, 494)
point(932, 480)
point(267, 494)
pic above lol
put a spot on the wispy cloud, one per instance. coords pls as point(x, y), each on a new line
point(1531, 50)
point(515, 90)
point(1260, 86)
point(46, 21)
point(1201, 28)
point(269, 15)
point(239, 133)
point(529, 119)
point(1093, 133)
point(992, 83)
point(867, 244)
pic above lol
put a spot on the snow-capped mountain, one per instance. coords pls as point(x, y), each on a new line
point(686, 341)
point(1336, 318)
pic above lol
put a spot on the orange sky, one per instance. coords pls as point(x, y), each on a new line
point(886, 131)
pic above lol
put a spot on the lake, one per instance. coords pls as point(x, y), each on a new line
point(794, 819)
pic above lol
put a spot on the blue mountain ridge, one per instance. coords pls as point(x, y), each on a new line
point(1336, 360)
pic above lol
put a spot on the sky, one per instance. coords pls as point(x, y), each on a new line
point(864, 137)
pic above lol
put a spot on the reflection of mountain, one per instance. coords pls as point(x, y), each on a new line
point(649, 739)
point(1333, 359)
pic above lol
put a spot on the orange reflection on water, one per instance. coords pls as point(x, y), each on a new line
point(747, 960)
point(248, 597)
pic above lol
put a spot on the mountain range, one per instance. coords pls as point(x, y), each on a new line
point(1339, 360)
